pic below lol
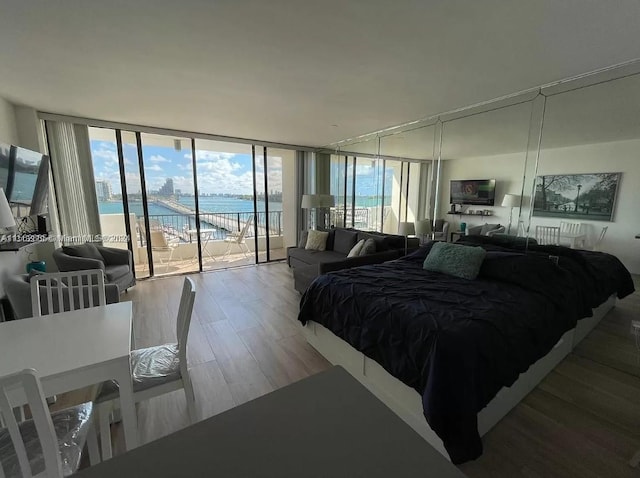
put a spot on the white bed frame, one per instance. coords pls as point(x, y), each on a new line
point(407, 403)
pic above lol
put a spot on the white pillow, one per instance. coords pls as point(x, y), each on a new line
point(355, 250)
point(317, 240)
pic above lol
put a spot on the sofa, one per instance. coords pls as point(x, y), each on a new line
point(441, 230)
point(18, 290)
point(117, 264)
point(308, 264)
point(485, 230)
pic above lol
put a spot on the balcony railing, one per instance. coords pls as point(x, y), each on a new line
point(183, 226)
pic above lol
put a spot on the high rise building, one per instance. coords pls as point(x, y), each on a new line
point(167, 188)
point(103, 190)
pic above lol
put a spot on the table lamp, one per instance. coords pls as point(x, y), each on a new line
point(423, 228)
point(510, 200)
point(406, 229)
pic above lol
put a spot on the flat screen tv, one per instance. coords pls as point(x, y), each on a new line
point(24, 176)
point(480, 192)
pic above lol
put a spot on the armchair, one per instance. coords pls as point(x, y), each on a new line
point(117, 264)
point(441, 230)
point(18, 289)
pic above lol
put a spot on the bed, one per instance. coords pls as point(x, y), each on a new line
point(470, 349)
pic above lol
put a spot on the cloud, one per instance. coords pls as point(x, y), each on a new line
point(156, 158)
point(153, 167)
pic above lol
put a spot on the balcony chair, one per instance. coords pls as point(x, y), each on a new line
point(160, 245)
point(238, 238)
point(49, 444)
point(117, 264)
point(155, 371)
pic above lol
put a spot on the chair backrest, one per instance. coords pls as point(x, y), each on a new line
point(185, 310)
point(548, 235)
point(598, 243)
point(158, 240)
point(245, 229)
point(26, 386)
point(63, 291)
point(571, 227)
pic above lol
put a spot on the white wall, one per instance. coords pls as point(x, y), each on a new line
point(620, 156)
point(506, 169)
point(8, 131)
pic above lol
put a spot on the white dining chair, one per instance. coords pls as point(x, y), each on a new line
point(548, 235)
point(574, 229)
point(155, 371)
point(62, 291)
point(598, 244)
point(47, 445)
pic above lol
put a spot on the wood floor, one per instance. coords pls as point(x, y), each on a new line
point(583, 420)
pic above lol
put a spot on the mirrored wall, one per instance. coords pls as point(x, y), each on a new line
point(564, 158)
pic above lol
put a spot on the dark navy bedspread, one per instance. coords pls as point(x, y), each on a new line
point(457, 342)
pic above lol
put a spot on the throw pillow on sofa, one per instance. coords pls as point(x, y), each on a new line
point(369, 247)
point(302, 243)
point(316, 240)
point(355, 250)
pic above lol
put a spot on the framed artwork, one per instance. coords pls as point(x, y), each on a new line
point(577, 196)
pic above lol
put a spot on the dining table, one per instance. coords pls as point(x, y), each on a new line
point(326, 425)
point(76, 349)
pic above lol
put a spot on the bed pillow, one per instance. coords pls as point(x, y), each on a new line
point(355, 250)
point(369, 247)
point(486, 228)
point(455, 260)
point(316, 240)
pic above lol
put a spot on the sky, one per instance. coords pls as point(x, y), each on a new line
point(218, 172)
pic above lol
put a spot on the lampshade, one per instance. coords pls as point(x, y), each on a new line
point(511, 200)
point(309, 201)
point(6, 216)
point(423, 227)
point(407, 229)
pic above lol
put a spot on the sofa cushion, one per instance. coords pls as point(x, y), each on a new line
point(316, 240)
point(331, 239)
point(314, 257)
point(344, 240)
point(87, 250)
point(455, 259)
point(355, 250)
point(114, 273)
point(368, 248)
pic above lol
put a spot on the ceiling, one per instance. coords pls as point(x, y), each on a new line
point(307, 73)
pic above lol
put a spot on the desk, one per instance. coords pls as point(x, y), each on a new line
point(205, 234)
point(76, 349)
point(574, 237)
point(327, 425)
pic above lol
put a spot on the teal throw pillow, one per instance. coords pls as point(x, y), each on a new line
point(455, 259)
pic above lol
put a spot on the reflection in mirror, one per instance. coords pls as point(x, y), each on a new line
point(483, 164)
point(588, 169)
point(408, 176)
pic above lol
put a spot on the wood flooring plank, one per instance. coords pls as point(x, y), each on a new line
point(279, 365)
